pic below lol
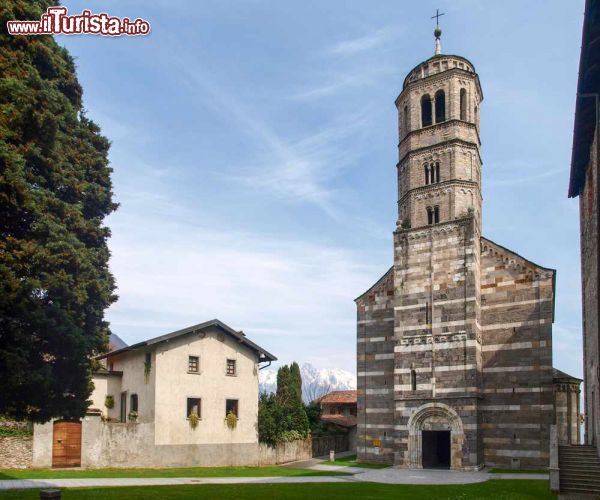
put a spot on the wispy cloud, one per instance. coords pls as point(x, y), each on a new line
point(363, 43)
point(516, 179)
point(354, 78)
point(296, 169)
point(275, 289)
point(309, 166)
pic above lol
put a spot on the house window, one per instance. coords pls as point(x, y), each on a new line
point(123, 407)
point(148, 360)
point(193, 364)
point(231, 406)
point(231, 368)
point(413, 380)
point(193, 406)
point(133, 402)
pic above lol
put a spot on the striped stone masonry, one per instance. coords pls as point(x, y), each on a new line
point(454, 342)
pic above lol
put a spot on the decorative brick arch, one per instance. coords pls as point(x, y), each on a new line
point(439, 417)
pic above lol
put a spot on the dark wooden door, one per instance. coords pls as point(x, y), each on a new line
point(66, 444)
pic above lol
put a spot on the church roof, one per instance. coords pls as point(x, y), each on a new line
point(585, 107)
point(433, 58)
point(377, 283)
point(505, 253)
point(213, 323)
point(558, 375)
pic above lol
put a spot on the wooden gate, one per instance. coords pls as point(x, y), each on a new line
point(66, 444)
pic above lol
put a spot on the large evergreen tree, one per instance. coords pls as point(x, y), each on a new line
point(55, 191)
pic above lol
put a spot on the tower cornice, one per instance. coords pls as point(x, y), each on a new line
point(438, 129)
point(427, 80)
point(442, 227)
point(441, 185)
point(441, 146)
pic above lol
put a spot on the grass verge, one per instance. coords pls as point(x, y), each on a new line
point(496, 489)
point(350, 461)
point(518, 471)
point(176, 472)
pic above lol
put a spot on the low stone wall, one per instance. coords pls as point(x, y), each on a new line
point(285, 452)
point(16, 452)
point(132, 445)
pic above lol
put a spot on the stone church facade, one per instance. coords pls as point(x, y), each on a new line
point(454, 342)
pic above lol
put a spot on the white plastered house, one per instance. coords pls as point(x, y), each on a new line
point(143, 397)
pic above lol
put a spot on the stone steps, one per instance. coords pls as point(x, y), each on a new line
point(579, 470)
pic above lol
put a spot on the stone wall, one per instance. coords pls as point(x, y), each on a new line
point(588, 213)
point(375, 372)
point(16, 452)
point(285, 452)
point(517, 409)
point(122, 445)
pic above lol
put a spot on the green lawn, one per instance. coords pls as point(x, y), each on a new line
point(177, 472)
point(519, 471)
point(497, 490)
point(351, 462)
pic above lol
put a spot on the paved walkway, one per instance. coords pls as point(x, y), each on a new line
point(395, 475)
point(390, 475)
point(12, 484)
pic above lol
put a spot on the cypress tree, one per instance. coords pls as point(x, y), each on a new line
point(296, 379)
point(55, 191)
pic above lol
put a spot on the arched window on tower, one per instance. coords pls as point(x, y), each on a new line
point(413, 380)
point(405, 124)
point(437, 171)
point(426, 169)
point(463, 104)
point(436, 215)
point(426, 118)
point(440, 106)
point(429, 216)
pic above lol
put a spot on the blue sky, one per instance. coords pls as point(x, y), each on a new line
point(254, 151)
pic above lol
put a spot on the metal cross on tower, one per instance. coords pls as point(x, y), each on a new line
point(437, 32)
point(437, 17)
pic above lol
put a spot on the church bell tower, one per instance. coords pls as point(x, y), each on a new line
point(437, 354)
point(454, 341)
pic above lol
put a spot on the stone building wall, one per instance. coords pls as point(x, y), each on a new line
point(517, 409)
point(588, 212)
point(16, 452)
point(375, 370)
point(436, 332)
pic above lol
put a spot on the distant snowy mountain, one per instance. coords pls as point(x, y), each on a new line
point(315, 382)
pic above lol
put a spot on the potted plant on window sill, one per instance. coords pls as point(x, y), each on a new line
point(133, 415)
point(193, 419)
point(231, 420)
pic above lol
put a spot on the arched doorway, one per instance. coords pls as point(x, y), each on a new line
point(435, 437)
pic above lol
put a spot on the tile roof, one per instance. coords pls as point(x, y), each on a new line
point(346, 397)
point(239, 336)
point(341, 420)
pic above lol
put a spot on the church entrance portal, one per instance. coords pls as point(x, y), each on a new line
point(436, 449)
